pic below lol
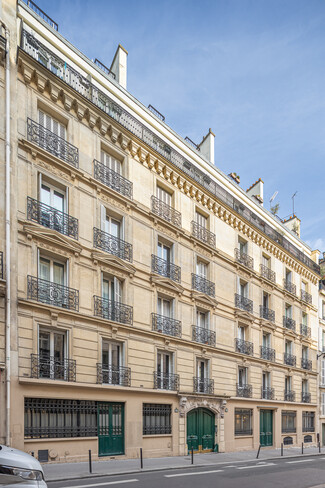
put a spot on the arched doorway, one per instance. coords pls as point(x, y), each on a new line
point(200, 430)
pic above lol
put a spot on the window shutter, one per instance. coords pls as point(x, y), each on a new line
point(117, 290)
point(102, 217)
point(323, 372)
point(41, 118)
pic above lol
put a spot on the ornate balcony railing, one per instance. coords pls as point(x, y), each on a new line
point(52, 143)
point(52, 218)
point(164, 381)
point(166, 212)
point(1, 265)
point(244, 259)
point(204, 336)
point(267, 273)
point(289, 323)
point(305, 330)
point(244, 391)
point(203, 385)
point(42, 14)
point(199, 283)
point(53, 368)
point(289, 395)
point(267, 353)
point(113, 245)
point(267, 393)
point(112, 179)
point(306, 297)
point(306, 364)
point(112, 310)
point(289, 359)
point(165, 268)
point(243, 303)
point(290, 287)
point(113, 375)
point(305, 397)
point(52, 293)
point(166, 325)
point(244, 347)
point(203, 234)
point(267, 314)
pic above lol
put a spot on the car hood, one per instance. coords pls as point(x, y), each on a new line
point(18, 459)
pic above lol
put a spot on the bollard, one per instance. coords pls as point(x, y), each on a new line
point(319, 450)
point(192, 456)
point(90, 466)
point(141, 458)
point(258, 452)
point(318, 437)
point(302, 448)
point(281, 448)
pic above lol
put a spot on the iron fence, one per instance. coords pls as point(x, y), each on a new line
point(203, 335)
point(244, 347)
point(113, 245)
point(244, 259)
point(203, 234)
point(166, 381)
point(112, 179)
point(52, 218)
point(165, 268)
point(53, 368)
point(203, 385)
point(112, 310)
point(243, 303)
point(166, 212)
point(166, 325)
point(52, 293)
point(113, 375)
point(267, 314)
point(267, 273)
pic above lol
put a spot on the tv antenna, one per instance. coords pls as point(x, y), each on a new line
point(273, 197)
point(293, 203)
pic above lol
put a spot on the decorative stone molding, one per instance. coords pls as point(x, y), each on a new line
point(40, 234)
point(163, 282)
point(113, 261)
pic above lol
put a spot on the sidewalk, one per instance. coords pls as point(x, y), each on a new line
point(65, 471)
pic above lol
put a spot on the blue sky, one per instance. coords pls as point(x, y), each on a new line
point(252, 70)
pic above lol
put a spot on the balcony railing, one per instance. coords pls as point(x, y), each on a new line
point(306, 364)
point(289, 359)
point(267, 314)
point(113, 375)
point(244, 347)
point(52, 143)
point(166, 325)
point(53, 368)
point(290, 287)
point(289, 395)
point(289, 323)
point(306, 297)
point(42, 14)
point(112, 310)
point(305, 330)
point(204, 385)
point(113, 245)
point(204, 336)
point(166, 212)
point(305, 397)
point(267, 273)
point(267, 353)
point(52, 293)
point(199, 283)
point(164, 381)
point(244, 391)
point(1, 265)
point(243, 303)
point(165, 268)
point(267, 393)
point(112, 179)
point(52, 218)
point(203, 234)
point(244, 259)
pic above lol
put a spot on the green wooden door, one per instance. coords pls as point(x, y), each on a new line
point(266, 428)
point(200, 430)
point(110, 428)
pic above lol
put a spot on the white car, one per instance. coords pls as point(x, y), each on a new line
point(20, 470)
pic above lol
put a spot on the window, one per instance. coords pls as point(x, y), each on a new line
point(111, 225)
point(323, 372)
point(164, 370)
point(266, 341)
point(323, 310)
point(304, 318)
point(266, 261)
point(156, 419)
point(288, 347)
point(164, 196)
point(112, 289)
point(242, 377)
point(241, 332)
point(288, 276)
point(165, 307)
point(111, 363)
point(243, 421)
point(110, 162)
point(308, 421)
point(51, 124)
point(304, 386)
point(202, 368)
point(323, 404)
point(201, 220)
point(52, 195)
point(164, 251)
point(202, 319)
point(288, 421)
point(52, 354)
point(323, 341)
point(303, 286)
point(201, 268)
point(52, 270)
point(243, 288)
point(288, 311)
point(287, 384)
point(242, 246)
point(266, 299)
point(304, 352)
point(266, 380)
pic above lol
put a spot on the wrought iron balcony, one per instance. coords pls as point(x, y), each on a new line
point(267, 393)
point(267, 273)
point(113, 245)
point(52, 218)
point(52, 143)
point(267, 353)
point(1, 265)
point(290, 287)
point(289, 359)
point(204, 385)
point(112, 310)
point(267, 314)
point(289, 323)
point(204, 336)
point(244, 347)
point(166, 325)
point(164, 381)
point(203, 234)
point(306, 364)
point(243, 303)
point(306, 297)
point(113, 375)
point(52, 293)
point(305, 330)
point(244, 391)
point(42, 14)
point(53, 368)
point(166, 212)
point(112, 179)
point(289, 396)
point(305, 397)
point(244, 259)
point(165, 268)
point(203, 285)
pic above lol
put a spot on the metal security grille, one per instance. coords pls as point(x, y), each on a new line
point(308, 421)
point(156, 419)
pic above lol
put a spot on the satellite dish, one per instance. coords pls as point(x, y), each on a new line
point(273, 196)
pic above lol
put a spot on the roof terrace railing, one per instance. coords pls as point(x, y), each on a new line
point(42, 14)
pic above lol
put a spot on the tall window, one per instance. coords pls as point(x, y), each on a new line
point(323, 404)
point(156, 419)
point(288, 311)
point(51, 124)
point(266, 380)
point(201, 268)
point(241, 332)
point(164, 370)
point(242, 377)
point(202, 319)
point(323, 372)
point(304, 318)
point(110, 224)
point(201, 220)
point(52, 353)
point(266, 341)
point(52, 196)
point(266, 299)
point(308, 421)
point(164, 196)
point(202, 369)
point(266, 261)
point(243, 421)
point(110, 162)
point(287, 384)
point(304, 352)
point(304, 386)
point(288, 347)
point(288, 421)
point(165, 307)
point(112, 289)
point(242, 246)
point(288, 276)
point(112, 361)
point(164, 251)
point(52, 270)
point(243, 288)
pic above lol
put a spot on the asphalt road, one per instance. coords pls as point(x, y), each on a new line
point(287, 473)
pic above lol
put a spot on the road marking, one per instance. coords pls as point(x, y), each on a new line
point(300, 461)
point(257, 466)
point(193, 474)
point(101, 484)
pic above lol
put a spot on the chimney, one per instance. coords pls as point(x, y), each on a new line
point(207, 146)
point(119, 65)
point(235, 177)
point(256, 190)
point(293, 223)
